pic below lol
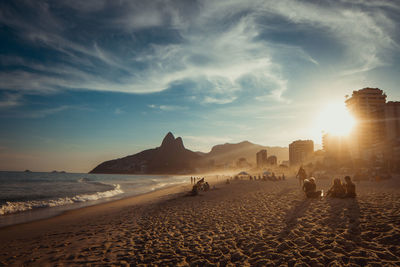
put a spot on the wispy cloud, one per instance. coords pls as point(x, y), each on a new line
point(44, 112)
point(167, 107)
point(40, 113)
point(10, 100)
point(226, 49)
point(118, 111)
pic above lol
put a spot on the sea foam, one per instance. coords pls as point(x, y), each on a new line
point(19, 206)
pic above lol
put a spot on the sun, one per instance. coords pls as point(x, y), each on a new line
point(335, 119)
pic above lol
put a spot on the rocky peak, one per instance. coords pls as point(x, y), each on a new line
point(170, 143)
point(168, 140)
point(179, 143)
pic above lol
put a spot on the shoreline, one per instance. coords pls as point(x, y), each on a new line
point(95, 209)
point(40, 213)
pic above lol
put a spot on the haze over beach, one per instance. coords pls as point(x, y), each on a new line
point(200, 133)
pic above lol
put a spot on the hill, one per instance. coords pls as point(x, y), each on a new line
point(173, 158)
point(170, 157)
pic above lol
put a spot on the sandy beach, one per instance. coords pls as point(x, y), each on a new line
point(245, 223)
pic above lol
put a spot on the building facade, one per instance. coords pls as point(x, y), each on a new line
point(261, 158)
point(367, 106)
point(391, 154)
point(392, 120)
point(272, 160)
point(300, 151)
point(336, 147)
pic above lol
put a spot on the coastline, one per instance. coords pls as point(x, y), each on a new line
point(92, 210)
point(32, 210)
point(102, 207)
point(245, 223)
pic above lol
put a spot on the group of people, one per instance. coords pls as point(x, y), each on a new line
point(268, 177)
point(200, 185)
point(193, 179)
point(337, 190)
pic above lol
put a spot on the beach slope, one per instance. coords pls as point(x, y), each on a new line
point(244, 223)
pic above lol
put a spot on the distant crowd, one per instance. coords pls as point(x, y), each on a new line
point(339, 189)
point(261, 177)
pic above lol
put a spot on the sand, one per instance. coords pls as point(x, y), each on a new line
point(245, 223)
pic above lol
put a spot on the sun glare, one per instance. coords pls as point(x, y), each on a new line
point(335, 119)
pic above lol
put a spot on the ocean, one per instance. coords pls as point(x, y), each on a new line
point(29, 196)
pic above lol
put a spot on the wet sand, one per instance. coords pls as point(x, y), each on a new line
point(245, 223)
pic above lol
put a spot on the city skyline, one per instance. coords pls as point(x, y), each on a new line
point(85, 82)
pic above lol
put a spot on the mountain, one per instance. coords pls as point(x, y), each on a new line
point(170, 157)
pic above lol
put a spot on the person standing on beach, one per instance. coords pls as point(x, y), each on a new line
point(302, 175)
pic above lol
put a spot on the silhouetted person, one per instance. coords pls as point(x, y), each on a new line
point(283, 177)
point(195, 190)
point(227, 181)
point(302, 175)
point(350, 187)
point(337, 189)
point(206, 186)
point(310, 188)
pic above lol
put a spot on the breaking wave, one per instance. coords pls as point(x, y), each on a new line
point(18, 206)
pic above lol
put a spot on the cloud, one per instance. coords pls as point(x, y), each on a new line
point(365, 33)
point(10, 100)
point(167, 107)
point(45, 112)
point(41, 113)
point(213, 100)
point(224, 49)
point(118, 111)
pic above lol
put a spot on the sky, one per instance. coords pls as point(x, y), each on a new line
point(86, 81)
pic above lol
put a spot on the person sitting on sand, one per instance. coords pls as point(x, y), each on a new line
point(337, 189)
point(200, 184)
point(350, 187)
point(195, 190)
point(310, 188)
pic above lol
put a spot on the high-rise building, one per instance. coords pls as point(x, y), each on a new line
point(368, 108)
point(391, 154)
point(299, 151)
point(336, 146)
point(261, 158)
point(392, 120)
point(272, 160)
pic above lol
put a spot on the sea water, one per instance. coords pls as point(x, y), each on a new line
point(28, 196)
